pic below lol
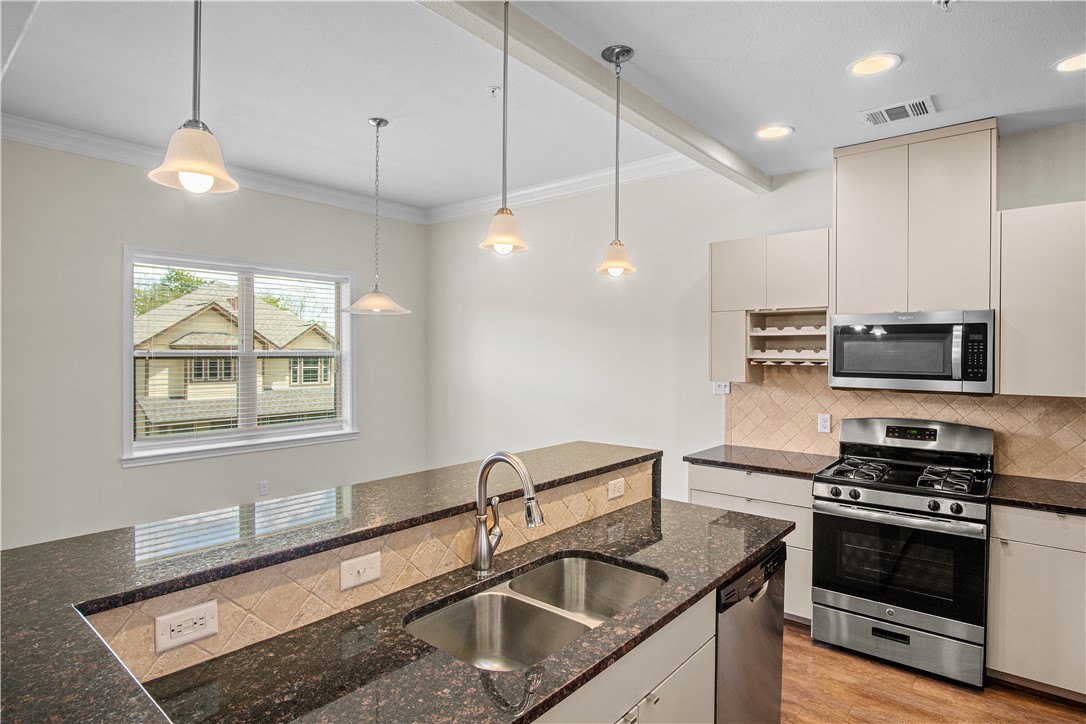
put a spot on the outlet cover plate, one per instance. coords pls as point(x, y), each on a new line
point(722, 388)
point(824, 422)
point(356, 571)
point(186, 625)
point(616, 488)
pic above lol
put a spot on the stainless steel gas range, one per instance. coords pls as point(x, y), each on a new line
point(901, 544)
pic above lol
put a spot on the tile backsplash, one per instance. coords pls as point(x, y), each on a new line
point(260, 604)
point(1041, 437)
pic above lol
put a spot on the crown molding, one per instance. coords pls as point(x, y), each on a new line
point(62, 138)
point(649, 168)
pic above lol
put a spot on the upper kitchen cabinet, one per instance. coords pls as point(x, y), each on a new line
point(913, 219)
point(1042, 287)
point(779, 271)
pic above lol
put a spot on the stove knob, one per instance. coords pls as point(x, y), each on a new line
point(835, 491)
point(933, 505)
point(956, 508)
point(854, 494)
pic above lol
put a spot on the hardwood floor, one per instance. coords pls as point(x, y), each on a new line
point(827, 684)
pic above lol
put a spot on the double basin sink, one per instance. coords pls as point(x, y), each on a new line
point(520, 622)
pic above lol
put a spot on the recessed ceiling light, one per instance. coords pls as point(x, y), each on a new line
point(769, 133)
point(873, 64)
point(1072, 63)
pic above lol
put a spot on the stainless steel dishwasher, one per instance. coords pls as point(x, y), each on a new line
point(750, 643)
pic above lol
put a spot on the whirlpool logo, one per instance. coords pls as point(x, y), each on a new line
point(905, 317)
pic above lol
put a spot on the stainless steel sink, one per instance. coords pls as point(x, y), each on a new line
point(517, 624)
point(496, 631)
point(585, 586)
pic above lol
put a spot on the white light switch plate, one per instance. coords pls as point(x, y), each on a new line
point(616, 488)
point(187, 625)
point(824, 422)
point(356, 571)
point(722, 388)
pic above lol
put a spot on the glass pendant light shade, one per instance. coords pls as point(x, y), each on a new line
point(504, 235)
point(194, 163)
point(616, 260)
point(377, 302)
point(193, 159)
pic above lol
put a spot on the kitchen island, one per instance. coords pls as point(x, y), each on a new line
point(359, 663)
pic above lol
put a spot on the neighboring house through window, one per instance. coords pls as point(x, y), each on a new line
point(230, 356)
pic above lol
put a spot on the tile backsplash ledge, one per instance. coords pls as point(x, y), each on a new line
point(260, 604)
point(1040, 437)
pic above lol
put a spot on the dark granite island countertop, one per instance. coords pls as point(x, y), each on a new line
point(54, 668)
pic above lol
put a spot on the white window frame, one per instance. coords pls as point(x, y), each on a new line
point(242, 439)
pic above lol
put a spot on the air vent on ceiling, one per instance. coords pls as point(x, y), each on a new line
point(899, 111)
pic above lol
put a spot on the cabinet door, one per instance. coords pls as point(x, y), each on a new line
point(797, 584)
point(688, 696)
point(872, 231)
point(1037, 613)
point(728, 345)
point(797, 269)
point(950, 223)
point(1042, 319)
point(738, 277)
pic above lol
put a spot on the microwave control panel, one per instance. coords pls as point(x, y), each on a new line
point(975, 354)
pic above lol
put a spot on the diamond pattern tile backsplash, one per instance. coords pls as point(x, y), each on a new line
point(260, 604)
point(1040, 437)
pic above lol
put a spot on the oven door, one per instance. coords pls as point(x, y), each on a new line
point(902, 560)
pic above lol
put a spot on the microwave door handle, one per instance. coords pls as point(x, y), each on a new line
point(956, 354)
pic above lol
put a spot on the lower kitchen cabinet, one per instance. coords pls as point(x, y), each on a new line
point(1037, 598)
point(677, 665)
point(773, 496)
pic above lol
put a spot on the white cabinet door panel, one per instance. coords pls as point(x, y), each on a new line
point(686, 697)
point(797, 583)
point(797, 269)
point(728, 342)
point(738, 275)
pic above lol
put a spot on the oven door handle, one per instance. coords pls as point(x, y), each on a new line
point(952, 527)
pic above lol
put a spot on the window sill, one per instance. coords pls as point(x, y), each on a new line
point(232, 447)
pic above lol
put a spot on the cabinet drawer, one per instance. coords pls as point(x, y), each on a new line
point(802, 517)
point(1040, 527)
point(758, 486)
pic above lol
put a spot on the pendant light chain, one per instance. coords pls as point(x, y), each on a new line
point(618, 108)
point(377, 209)
point(505, 108)
point(196, 63)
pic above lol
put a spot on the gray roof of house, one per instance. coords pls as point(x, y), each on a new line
point(278, 326)
point(206, 340)
point(296, 400)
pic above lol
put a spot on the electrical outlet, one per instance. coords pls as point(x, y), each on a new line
point(357, 571)
point(265, 487)
point(616, 488)
point(824, 422)
point(722, 388)
point(187, 625)
point(615, 531)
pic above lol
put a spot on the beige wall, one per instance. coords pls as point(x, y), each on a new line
point(538, 348)
point(65, 219)
point(1043, 167)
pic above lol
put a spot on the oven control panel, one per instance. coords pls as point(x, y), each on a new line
point(899, 432)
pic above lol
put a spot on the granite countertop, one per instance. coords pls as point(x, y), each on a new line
point(361, 665)
point(53, 665)
point(1058, 496)
point(761, 460)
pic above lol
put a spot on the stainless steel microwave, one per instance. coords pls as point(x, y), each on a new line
point(919, 351)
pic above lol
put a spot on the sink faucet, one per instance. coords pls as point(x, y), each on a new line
point(487, 540)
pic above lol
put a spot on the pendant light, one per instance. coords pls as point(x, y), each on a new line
point(377, 302)
point(504, 234)
point(616, 258)
point(193, 159)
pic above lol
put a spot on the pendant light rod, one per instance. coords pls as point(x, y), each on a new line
point(618, 108)
point(196, 61)
point(377, 123)
point(505, 108)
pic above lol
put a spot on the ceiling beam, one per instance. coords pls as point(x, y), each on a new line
point(543, 50)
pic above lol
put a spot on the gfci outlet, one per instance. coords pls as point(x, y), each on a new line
point(616, 488)
point(824, 422)
point(357, 571)
point(187, 625)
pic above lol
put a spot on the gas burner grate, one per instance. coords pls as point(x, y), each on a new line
point(857, 469)
point(953, 479)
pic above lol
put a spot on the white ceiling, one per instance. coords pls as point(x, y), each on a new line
point(287, 86)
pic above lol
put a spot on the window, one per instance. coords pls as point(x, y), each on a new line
point(232, 356)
